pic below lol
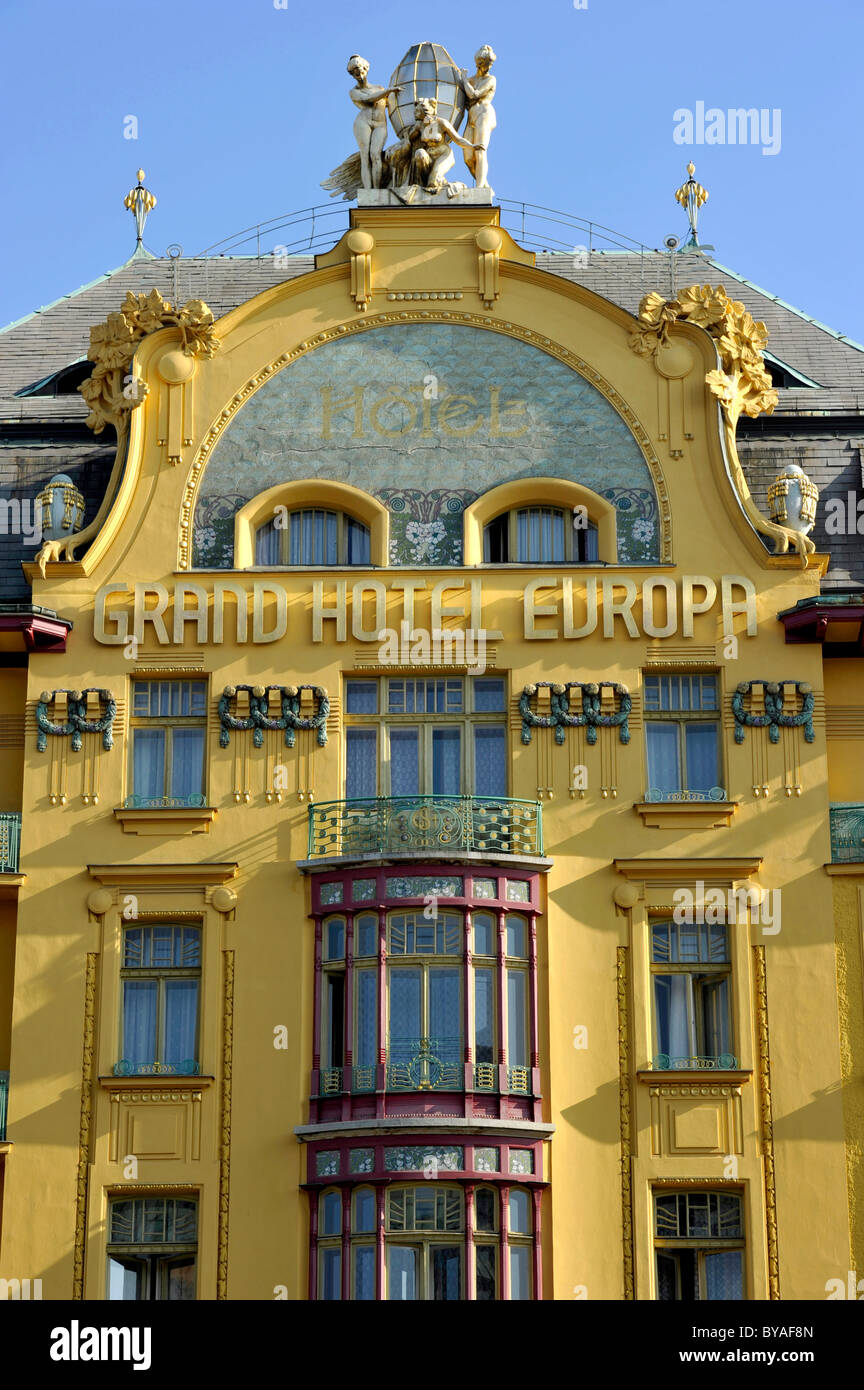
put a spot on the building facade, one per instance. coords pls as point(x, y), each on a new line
point(428, 883)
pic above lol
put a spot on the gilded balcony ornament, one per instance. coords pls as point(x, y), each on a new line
point(741, 384)
point(112, 392)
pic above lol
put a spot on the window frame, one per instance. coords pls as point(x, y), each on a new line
point(705, 969)
point(156, 1257)
point(167, 723)
point(575, 537)
point(682, 719)
point(467, 719)
point(344, 520)
point(161, 973)
point(703, 1246)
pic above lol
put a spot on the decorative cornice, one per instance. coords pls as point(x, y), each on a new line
point(688, 870)
point(711, 815)
point(443, 1124)
point(694, 1083)
point(202, 875)
point(143, 1088)
point(165, 820)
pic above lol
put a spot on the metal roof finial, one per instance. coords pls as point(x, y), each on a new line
point(140, 201)
point(692, 196)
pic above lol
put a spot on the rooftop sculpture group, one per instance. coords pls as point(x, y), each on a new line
point(426, 100)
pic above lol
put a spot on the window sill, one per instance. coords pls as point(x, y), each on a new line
point(674, 815)
point(165, 820)
point(159, 1082)
point(706, 1078)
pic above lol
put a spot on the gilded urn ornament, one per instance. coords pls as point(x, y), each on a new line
point(792, 499)
point(427, 100)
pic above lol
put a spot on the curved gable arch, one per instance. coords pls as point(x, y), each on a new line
point(587, 383)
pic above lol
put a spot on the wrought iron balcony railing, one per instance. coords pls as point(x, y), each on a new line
point(10, 841)
point(847, 832)
point(422, 1064)
point(425, 1064)
point(654, 794)
point(188, 1067)
point(140, 803)
point(425, 824)
point(4, 1098)
point(726, 1061)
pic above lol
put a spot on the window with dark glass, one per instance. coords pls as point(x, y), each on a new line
point(699, 1246)
point(168, 728)
point(438, 736)
point(682, 736)
point(152, 1248)
point(160, 976)
point(691, 978)
point(539, 536)
point(312, 536)
point(424, 1243)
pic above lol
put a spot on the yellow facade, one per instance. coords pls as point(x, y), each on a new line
point(778, 1128)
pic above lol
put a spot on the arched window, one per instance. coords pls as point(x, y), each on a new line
point(312, 536)
point(540, 536)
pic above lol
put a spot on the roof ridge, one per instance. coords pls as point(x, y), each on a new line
point(799, 313)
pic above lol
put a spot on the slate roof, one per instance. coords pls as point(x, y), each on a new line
point(822, 428)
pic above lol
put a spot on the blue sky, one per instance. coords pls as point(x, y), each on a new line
point(242, 108)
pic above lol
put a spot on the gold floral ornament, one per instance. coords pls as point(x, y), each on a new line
point(112, 392)
point(741, 383)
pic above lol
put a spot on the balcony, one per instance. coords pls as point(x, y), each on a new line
point(412, 826)
point(10, 842)
point(847, 832)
